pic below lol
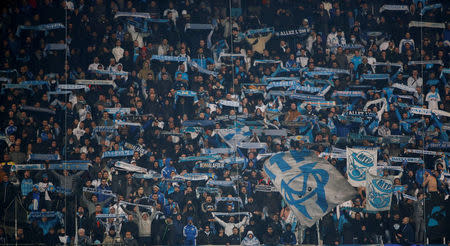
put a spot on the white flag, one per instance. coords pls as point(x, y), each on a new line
point(378, 193)
point(311, 186)
point(358, 163)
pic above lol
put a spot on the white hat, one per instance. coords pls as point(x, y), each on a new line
point(184, 12)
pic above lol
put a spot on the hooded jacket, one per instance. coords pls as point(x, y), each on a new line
point(247, 241)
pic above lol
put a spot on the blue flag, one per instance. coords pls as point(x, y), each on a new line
point(311, 186)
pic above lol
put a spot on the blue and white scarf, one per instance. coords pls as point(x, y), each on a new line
point(43, 157)
point(43, 27)
point(407, 159)
point(200, 158)
point(301, 31)
point(121, 153)
point(392, 7)
point(169, 58)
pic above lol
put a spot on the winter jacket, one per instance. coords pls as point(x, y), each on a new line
point(190, 232)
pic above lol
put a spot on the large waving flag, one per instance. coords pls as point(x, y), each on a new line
point(378, 193)
point(358, 163)
point(235, 135)
point(311, 186)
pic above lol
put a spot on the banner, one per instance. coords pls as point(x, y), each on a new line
point(378, 193)
point(396, 168)
point(108, 129)
point(118, 110)
point(425, 111)
point(270, 132)
point(69, 166)
point(309, 89)
point(169, 58)
point(202, 70)
point(129, 167)
point(424, 152)
point(59, 189)
point(266, 62)
point(217, 151)
point(228, 103)
point(392, 7)
point(120, 153)
point(380, 76)
point(200, 158)
point(98, 191)
point(251, 32)
point(94, 82)
point(137, 148)
point(19, 167)
point(409, 197)
point(197, 26)
point(210, 165)
point(181, 93)
point(47, 214)
point(306, 97)
point(43, 157)
point(301, 31)
point(270, 79)
point(430, 7)
point(248, 145)
point(209, 190)
point(231, 214)
point(441, 145)
point(220, 183)
point(194, 176)
point(142, 15)
point(229, 199)
point(359, 161)
point(439, 62)
point(265, 188)
point(406, 159)
point(232, 160)
point(126, 123)
point(348, 94)
point(73, 87)
point(110, 72)
point(365, 114)
point(110, 216)
point(426, 24)
point(137, 204)
point(332, 70)
point(309, 185)
point(150, 175)
point(38, 110)
point(56, 46)
point(43, 27)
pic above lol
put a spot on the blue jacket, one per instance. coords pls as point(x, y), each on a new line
point(190, 232)
point(288, 238)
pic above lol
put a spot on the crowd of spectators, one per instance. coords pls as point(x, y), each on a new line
point(353, 36)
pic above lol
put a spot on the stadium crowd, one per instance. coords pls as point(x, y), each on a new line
point(165, 85)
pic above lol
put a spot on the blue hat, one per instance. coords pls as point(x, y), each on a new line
point(44, 175)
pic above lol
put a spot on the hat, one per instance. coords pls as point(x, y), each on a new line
point(184, 12)
point(189, 218)
point(250, 232)
point(36, 186)
point(175, 185)
point(45, 176)
point(305, 20)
